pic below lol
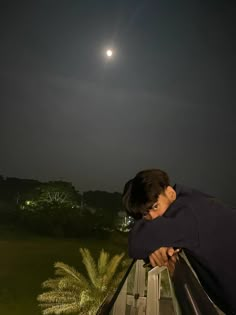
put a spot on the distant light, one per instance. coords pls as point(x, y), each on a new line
point(109, 53)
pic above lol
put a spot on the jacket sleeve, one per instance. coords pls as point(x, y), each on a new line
point(180, 231)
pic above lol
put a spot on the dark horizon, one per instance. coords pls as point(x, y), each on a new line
point(165, 100)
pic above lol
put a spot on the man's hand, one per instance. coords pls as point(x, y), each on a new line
point(164, 256)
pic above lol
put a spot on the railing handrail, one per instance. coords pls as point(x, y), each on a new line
point(190, 295)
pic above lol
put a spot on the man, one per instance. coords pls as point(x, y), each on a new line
point(170, 218)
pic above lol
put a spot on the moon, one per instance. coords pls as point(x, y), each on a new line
point(109, 53)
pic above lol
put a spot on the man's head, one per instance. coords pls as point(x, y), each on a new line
point(148, 194)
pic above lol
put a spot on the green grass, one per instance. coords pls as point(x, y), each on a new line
point(25, 263)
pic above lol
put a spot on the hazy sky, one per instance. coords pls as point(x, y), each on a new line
point(165, 100)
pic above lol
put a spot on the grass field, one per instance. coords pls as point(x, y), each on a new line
point(25, 263)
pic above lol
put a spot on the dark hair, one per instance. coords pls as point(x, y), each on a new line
point(142, 191)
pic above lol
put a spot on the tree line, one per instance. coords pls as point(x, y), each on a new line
point(56, 208)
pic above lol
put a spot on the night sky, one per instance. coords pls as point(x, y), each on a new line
point(166, 98)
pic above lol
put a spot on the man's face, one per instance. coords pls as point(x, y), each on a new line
point(163, 202)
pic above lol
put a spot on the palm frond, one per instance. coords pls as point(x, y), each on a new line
point(71, 292)
point(102, 262)
point(67, 283)
point(62, 300)
point(112, 266)
point(90, 266)
point(62, 309)
point(65, 270)
point(57, 297)
point(50, 284)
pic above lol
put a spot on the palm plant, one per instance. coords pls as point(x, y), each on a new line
point(72, 293)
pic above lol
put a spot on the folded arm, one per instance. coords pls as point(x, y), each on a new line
point(179, 231)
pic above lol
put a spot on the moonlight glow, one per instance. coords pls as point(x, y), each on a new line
point(109, 53)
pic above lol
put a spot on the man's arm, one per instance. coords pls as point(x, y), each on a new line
point(177, 232)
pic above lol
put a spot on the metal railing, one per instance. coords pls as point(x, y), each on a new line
point(191, 296)
point(152, 292)
point(112, 298)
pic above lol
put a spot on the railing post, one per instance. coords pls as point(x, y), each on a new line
point(153, 291)
point(121, 301)
point(139, 279)
point(137, 299)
